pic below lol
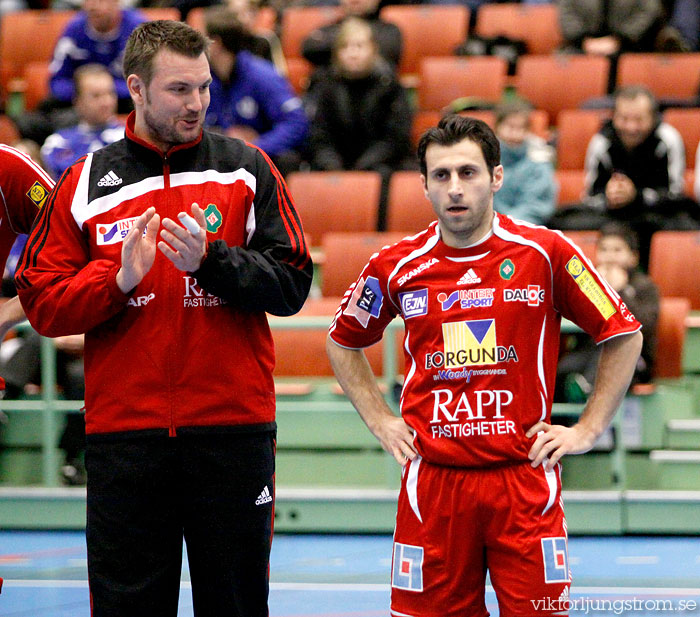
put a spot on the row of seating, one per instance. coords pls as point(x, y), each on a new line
point(436, 30)
point(27, 39)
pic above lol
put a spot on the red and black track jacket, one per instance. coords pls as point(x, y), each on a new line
point(183, 349)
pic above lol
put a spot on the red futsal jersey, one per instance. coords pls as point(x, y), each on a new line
point(24, 187)
point(481, 332)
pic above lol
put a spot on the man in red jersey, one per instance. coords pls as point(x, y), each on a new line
point(482, 297)
point(24, 187)
point(172, 297)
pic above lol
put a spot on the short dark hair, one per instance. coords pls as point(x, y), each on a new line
point(512, 108)
point(454, 128)
point(152, 36)
point(634, 91)
point(84, 72)
point(222, 22)
point(620, 230)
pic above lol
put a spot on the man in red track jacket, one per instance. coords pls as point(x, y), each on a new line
point(168, 248)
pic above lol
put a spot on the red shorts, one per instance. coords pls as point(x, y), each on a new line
point(454, 524)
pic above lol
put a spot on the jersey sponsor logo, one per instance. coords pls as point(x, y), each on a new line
point(469, 278)
point(533, 295)
point(213, 217)
point(468, 298)
point(38, 193)
point(114, 232)
point(468, 343)
point(407, 571)
point(195, 296)
point(481, 416)
point(141, 300)
point(366, 300)
point(590, 288)
point(506, 269)
point(414, 303)
point(555, 559)
point(422, 268)
point(466, 374)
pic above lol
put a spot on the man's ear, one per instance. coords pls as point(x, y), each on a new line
point(497, 181)
point(137, 89)
point(424, 182)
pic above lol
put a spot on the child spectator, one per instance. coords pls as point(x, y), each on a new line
point(617, 260)
point(529, 190)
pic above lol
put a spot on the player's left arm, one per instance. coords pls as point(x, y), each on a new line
point(618, 359)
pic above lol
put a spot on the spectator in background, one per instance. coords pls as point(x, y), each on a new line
point(685, 18)
point(318, 47)
point(635, 168)
point(97, 35)
point(529, 190)
point(362, 120)
point(610, 28)
point(96, 105)
point(249, 98)
point(617, 260)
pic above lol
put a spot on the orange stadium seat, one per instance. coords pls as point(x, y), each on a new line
point(558, 82)
point(671, 330)
point(336, 200)
point(672, 264)
point(298, 74)
point(265, 18)
point(408, 209)
point(575, 127)
point(668, 76)
point(345, 256)
point(535, 24)
point(300, 21)
point(28, 36)
point(8, 131)
point(571, 184)
point(36, 80)
point(687, 121)
point(427, 30)
point(154, 13)
point(445, 79)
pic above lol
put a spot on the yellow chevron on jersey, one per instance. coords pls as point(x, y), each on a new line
point(469, 342)
point(590, 288)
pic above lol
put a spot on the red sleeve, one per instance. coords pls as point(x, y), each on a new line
point(25, 188)
point(61, 289)
point(366, 309)
point(584, 297)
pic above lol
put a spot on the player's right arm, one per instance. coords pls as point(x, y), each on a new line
point(358, 382)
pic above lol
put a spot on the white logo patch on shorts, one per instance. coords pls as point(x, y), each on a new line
point(407, 573)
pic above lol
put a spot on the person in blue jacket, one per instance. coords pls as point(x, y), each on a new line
point(96, 105)
point(249, 98)
point(529, 190)
point(97, 35)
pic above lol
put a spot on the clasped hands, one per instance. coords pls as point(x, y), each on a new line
point(183, 248)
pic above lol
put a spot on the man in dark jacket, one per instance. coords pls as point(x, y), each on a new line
point(635, 170)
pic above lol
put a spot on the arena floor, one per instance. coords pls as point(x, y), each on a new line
point(348, 576)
